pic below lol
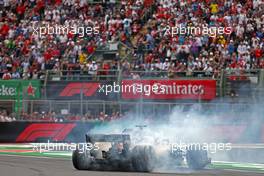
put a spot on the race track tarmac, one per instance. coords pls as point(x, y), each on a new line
point(32, 166)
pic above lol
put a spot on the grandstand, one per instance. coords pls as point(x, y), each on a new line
point(132, 43)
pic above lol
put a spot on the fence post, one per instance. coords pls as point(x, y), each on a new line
point(222, 83)
point(81, 101)
point(261, 78)
point(104, 107)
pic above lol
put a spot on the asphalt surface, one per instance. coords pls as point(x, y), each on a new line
point(32, 166)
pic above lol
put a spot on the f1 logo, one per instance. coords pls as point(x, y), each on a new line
point(57, 132)
point(88, 89)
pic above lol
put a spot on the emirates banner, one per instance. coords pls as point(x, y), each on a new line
point(168, 89)
point(133, 90)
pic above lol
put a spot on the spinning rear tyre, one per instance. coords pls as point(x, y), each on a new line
point(143, 158)
point(197, 159)
point(81, 160)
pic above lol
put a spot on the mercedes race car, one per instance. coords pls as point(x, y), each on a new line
point(116, 152)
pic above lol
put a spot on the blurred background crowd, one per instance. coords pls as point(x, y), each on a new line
point(58, 117)
point(242, 49)
point(25, 54)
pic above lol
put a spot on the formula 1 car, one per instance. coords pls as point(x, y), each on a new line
point(115, 152)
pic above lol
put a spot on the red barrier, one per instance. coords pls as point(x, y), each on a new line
point(22, 132)
point(169, 89)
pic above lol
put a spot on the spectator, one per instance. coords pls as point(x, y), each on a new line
point(6, 76)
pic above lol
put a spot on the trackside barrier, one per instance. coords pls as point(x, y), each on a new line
point(26, 132)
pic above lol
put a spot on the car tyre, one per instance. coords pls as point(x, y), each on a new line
point(197, 159)
point(143, 158)
point(81, 160)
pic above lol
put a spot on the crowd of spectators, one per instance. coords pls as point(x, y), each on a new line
point(24, 53)
point(5, 117)
point(219, 116)
point(58, 117)
point(242, 48)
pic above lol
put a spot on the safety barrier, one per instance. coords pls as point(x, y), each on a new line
point(23, 132)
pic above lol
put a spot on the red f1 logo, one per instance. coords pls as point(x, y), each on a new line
point(88, 89)
point(56, 132)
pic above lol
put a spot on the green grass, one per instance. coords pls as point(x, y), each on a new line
point(37, 154)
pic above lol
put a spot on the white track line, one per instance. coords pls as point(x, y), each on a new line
point(23, 156)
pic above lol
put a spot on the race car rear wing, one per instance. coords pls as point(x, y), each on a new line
point(92, 138)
